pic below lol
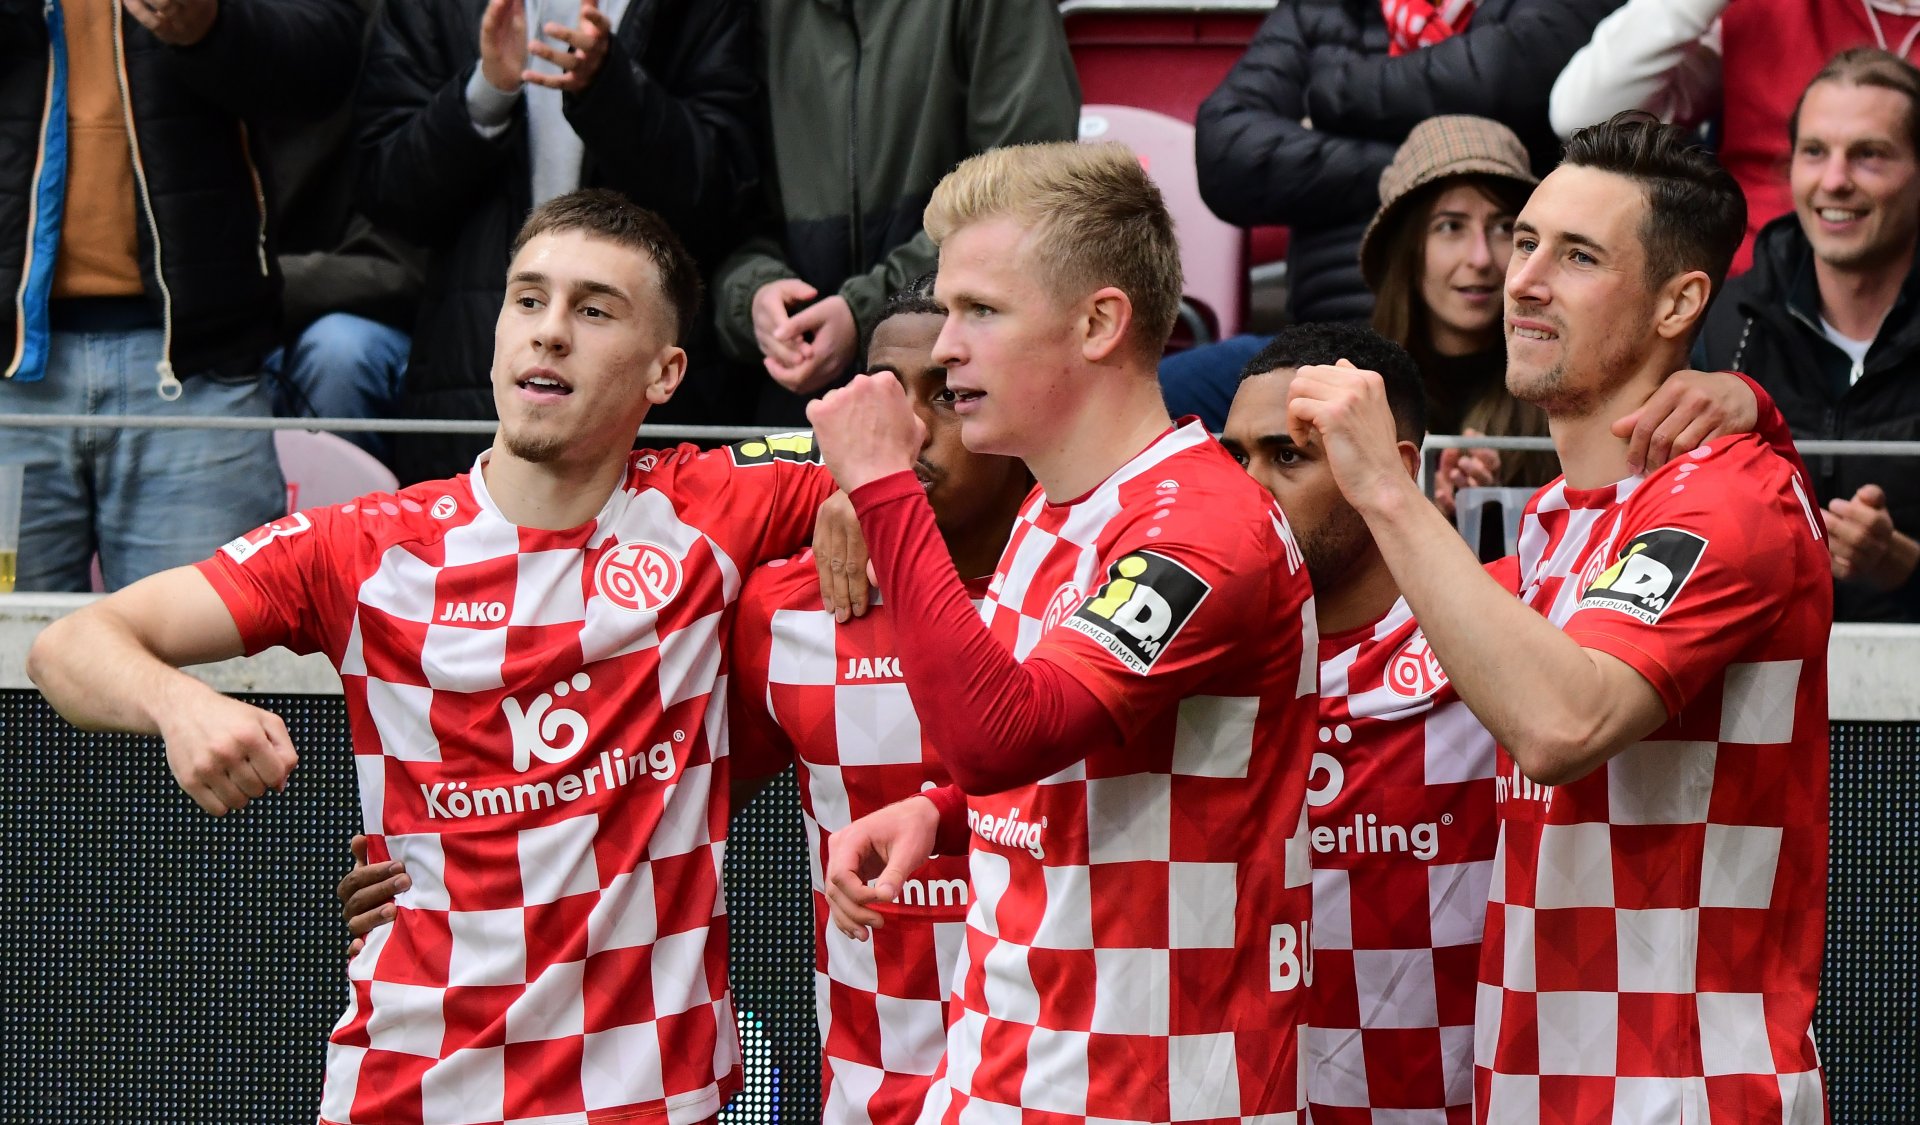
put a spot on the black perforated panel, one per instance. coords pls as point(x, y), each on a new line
point(1868, 1023)
point(160, 966)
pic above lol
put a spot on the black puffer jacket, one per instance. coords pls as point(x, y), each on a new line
point(1767, 325)
point(666, 122)
point(1326, 62)
point(215, 284)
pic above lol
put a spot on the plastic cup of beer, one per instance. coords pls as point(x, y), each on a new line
point(11, 479)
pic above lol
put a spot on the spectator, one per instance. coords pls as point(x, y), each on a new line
point(1665, 56)
point(1302, 127)
point(352, 290)
point(944, 79)
point(464, 125)
point(157, 297)
point(1827, 319)
point(1435, 257)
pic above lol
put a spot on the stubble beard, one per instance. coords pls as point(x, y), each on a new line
point(534, 450)
point(1331, 549)
point(1557, 392)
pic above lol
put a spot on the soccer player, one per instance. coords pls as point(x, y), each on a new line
point(1401, 798)
point(1129, 728)
point(829, 698)
point(530, 654)
point(1654, 936)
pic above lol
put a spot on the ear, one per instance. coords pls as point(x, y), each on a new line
point(1682, 302)
point(1104, 327)
point(1410, 458)
point(671, 367)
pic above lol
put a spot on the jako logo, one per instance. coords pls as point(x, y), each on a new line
point(872, 668)
point(637, 576)
point(1414, 672)
point(473, 611)
point(536, 730)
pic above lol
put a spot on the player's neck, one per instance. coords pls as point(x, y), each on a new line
point(551, 495)
point(1364, 595)
point(1089, 444)
point(976, 548)
point(1591, 455)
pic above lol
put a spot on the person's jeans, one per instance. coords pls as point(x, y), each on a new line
point(343, 366)
point(1203, 380)
point(145, 500)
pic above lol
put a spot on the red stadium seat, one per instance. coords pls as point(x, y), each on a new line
point(1166, 57)
point(1213, 253)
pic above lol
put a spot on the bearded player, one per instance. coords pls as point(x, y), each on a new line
point(1654, 933)
point(1401, 799)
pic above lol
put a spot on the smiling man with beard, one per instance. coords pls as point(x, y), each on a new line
point(1654, 932)
point(1829, 319)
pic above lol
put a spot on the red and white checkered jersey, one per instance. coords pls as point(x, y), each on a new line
point(1139, 935)
point(1400, 804)
point(536, 737)
point(1654, 935)
point(830, 699)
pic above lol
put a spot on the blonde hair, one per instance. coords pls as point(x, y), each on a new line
point(1095, 217)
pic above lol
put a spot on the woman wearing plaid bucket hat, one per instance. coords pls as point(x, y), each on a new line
point(1435, 257)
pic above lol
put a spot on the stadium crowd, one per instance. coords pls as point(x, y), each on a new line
point(1147, 776)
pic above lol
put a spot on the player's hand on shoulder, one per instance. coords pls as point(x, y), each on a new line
point(367, 893)
point(1690, 409)
point(840, 555)
point(223, 752)
point(885, 847)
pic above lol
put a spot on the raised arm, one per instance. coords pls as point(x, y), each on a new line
point(114, 665)
point(1560, 709)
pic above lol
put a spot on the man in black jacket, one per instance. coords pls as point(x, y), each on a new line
point(1828, 319)
point(1301, 128)
point(465, 126)
point(136, 243)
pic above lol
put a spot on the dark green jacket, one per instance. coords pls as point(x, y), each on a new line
point(871, 102)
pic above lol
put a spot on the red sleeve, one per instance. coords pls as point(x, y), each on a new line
point(283, 583)
point(996, 722)
point(1506, 571)
point(779, 481)
point(1772, 428)
point(1704, 569)
point(757, 746)
point(951, 837)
